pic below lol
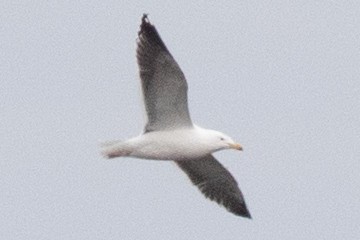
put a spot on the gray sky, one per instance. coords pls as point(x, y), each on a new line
point(282, 78)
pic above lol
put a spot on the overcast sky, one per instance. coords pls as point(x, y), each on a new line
point(282, 78)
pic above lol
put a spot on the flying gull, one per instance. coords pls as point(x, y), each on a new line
point(169, 132)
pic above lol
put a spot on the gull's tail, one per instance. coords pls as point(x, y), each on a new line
point(113, 149)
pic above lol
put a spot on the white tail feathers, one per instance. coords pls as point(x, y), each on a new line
point(113, 149)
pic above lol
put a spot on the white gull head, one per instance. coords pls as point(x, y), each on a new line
point(216, 140)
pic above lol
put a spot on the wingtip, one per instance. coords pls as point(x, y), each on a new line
point(145, 23)
point(241, 211)
point(149, 34)
point(245, 214)
point(145, 18)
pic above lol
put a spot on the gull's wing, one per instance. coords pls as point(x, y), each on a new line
point(216, 183)
point(163, 83)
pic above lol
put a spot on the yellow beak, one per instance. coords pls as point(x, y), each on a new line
point(236, 146)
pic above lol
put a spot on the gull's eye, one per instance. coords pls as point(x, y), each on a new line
point(222, 139)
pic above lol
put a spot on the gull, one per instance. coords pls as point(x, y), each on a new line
point(169, 133)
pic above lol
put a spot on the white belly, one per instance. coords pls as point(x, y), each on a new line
point(169, 145)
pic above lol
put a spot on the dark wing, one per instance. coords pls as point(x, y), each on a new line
point(163, 83)
point(216, 183)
